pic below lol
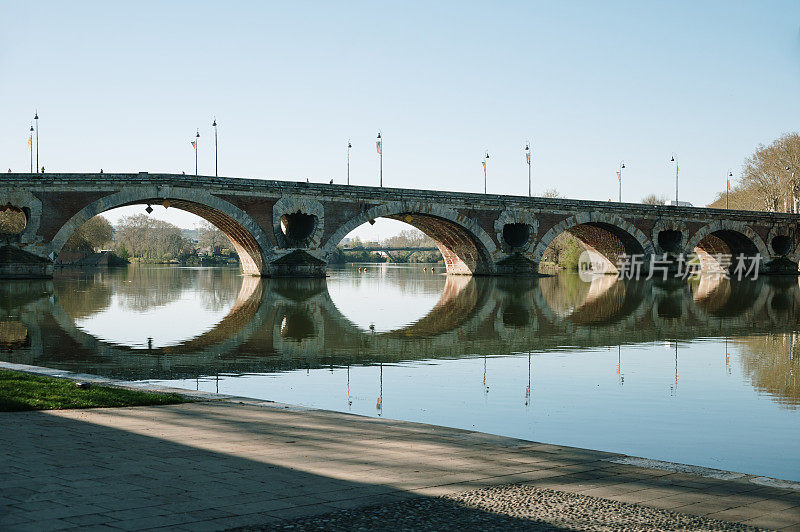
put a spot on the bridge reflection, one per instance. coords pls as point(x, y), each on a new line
point(286, 324)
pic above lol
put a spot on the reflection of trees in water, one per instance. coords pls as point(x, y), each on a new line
point(563, 293)
point(218, 287)
point(603, 299)
point(83, 297)
point(772, 363)
point(145, 288)
point(425, 283)
point(725, 297)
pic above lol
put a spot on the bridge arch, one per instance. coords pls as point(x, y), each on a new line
point(727, 238)
point(465, 246)
point(250, 241)
point(607, 234)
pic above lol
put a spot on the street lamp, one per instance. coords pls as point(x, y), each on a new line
point(790, 169)
point(484, 171)
point(674, 159)
point(196, 142)
point(528, 159)
point(36, 121)
point(30, 146)
point(216, 149)
point(348, 160)
point(619, 178)
point(379, 144)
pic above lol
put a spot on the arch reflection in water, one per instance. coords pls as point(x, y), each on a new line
point(277, 325)
point(537, 358)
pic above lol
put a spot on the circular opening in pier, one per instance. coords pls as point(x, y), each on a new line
point(12, 220)
point(298, 226)
point(669, 240)
point(516, 315)
point(669, 308)
point(516, 234)
point(781, 244)
point(297, 325)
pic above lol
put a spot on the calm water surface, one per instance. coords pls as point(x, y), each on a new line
point(702, 373)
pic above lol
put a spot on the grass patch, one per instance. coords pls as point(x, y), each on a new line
point(22, 391)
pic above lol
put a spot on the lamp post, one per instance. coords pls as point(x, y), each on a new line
point(674, 159)
point(30, 146)
point(379, 144)
point(790, 169)
point(36, 121)
point(196, 143)
point(348, 160)
point(728, 187)
point(528, 160)
point(216, 149)
point(485, 159)
point(619, 178)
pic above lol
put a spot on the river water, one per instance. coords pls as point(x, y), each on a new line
point(702, 372)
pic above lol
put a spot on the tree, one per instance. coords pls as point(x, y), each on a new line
point(765, 183)
point(95, 234)
point(565, 249)
point(210, 236)
point(147, 238)
point(410, 238)
point(653, 199)
point(12, 221)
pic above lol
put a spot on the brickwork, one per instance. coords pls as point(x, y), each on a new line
point(469, 228)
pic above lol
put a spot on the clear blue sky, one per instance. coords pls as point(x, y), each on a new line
point(124, 86)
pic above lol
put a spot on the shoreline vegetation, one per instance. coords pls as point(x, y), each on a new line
point(20, 392)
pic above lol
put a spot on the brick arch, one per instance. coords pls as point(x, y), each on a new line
point(248, 238)
point(607, 234)
point(466, 248)
point(736, 236)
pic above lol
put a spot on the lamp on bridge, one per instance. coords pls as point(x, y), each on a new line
point(30, 146)
point(528, 159)
point(674, 159)
point(36, 120)
point(379, 144)
point(216, 148)
point(196, 142)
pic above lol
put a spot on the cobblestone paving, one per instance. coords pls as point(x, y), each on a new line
point(516, 507)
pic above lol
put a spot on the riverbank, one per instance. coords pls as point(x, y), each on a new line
point(231, 462)
point(24, 391)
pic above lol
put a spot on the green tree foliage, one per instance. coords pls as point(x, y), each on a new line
point(147, 238)
point(765, 184)
point(565, 249)
point(95, 234)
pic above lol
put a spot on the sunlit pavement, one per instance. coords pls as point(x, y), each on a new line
point(215, 465)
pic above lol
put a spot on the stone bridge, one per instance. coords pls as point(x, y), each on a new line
point(292, 229)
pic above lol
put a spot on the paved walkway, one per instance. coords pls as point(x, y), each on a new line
point(216, 465)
